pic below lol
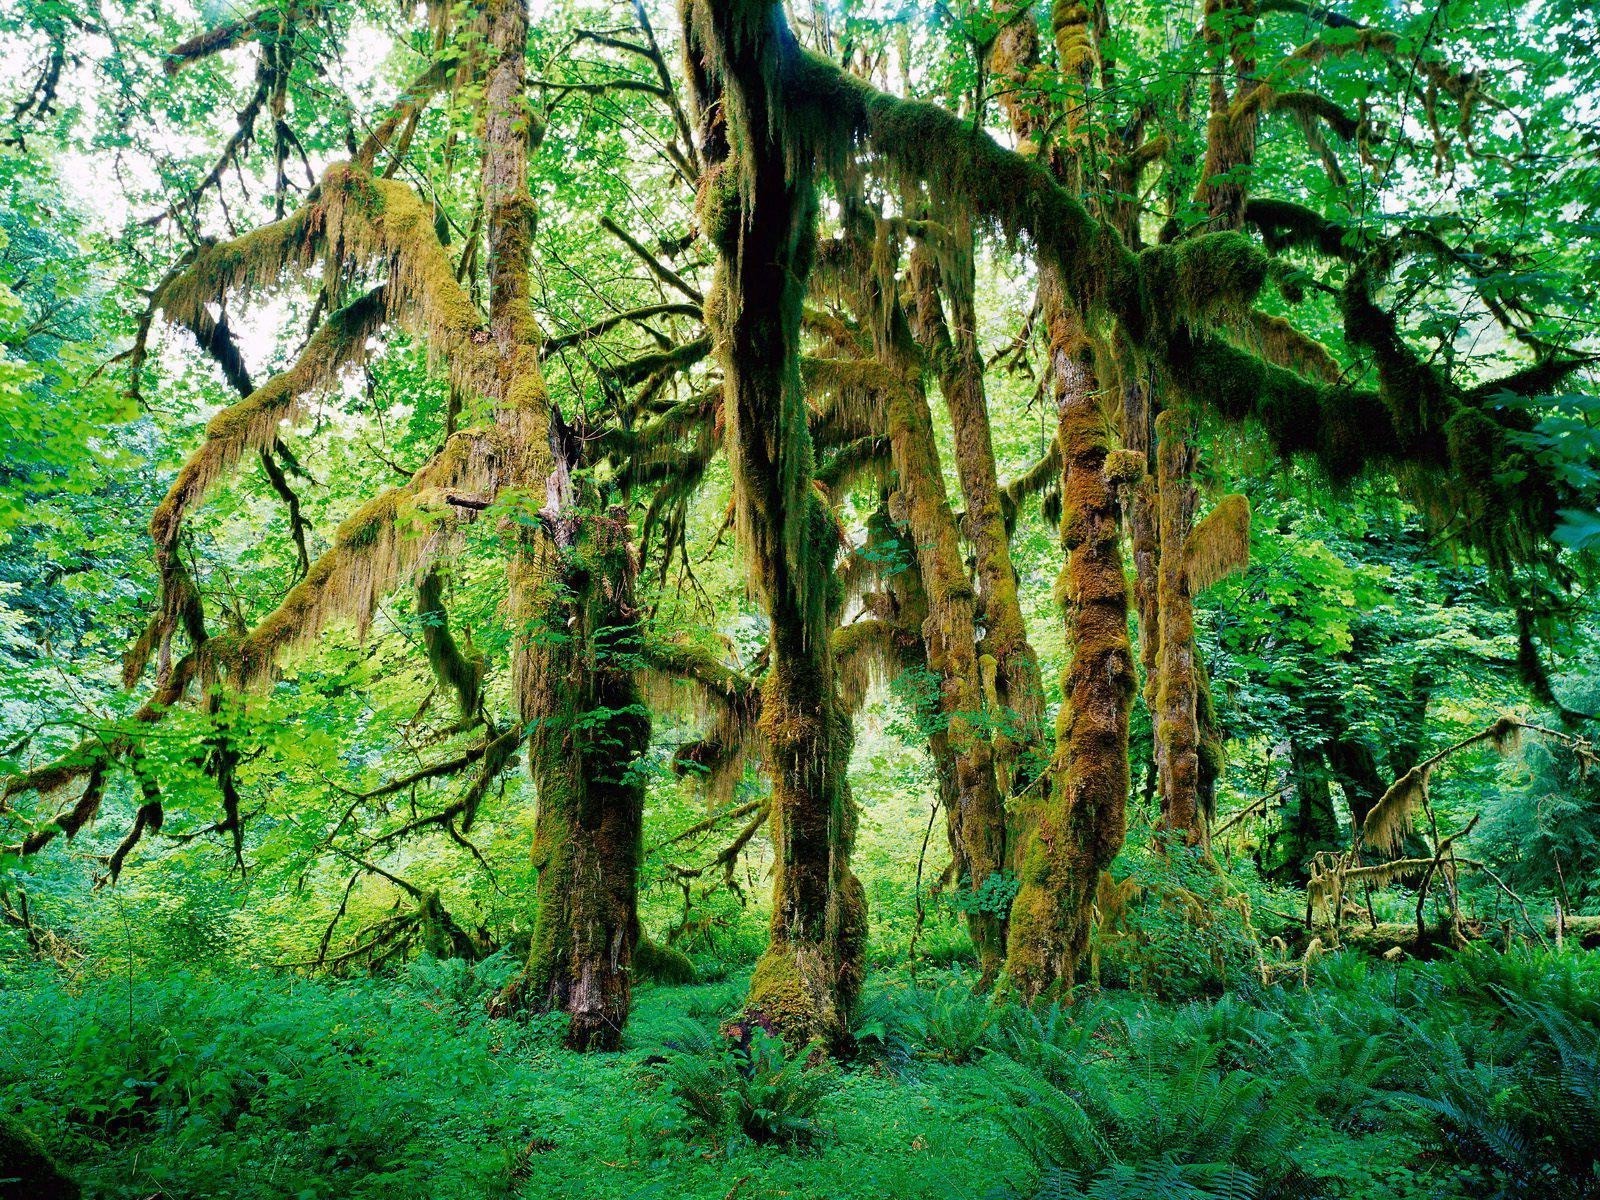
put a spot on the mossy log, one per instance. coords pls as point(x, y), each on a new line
point(27, 1172)
point(1388, 937)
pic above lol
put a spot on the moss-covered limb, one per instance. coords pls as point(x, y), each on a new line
point(70, 820)
point(952, 349)
point(456, 666)
point(606, 324)
point(1284, 223)
point(252, 424)
point(382, 542)
point(1042, 478)
point(1347, 430)
point(27, 1172)
point(223, 37)
point(1175, 716)
point(1073, 833)
point(351, 216)
point(857, 459)
point(679, 358)
point(717, 682)
point(758, 206)
point(92, 758)
point(446, 72)
point(656, 267)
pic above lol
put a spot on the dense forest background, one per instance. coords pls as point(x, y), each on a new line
point(839, 599)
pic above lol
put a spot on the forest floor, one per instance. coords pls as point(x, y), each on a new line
point(254, 1084)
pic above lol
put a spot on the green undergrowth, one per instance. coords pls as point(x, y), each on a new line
point(1469, 1077)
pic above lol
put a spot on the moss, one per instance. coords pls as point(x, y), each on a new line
point(1202, 278)
point(663, 964)
point(792, 996)
point(1125, 466)
point(27, 1172)
point(1220, 544)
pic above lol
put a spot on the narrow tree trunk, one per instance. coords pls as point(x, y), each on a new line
point(976, 822)
point(952, 349)
point(1077, 830)
point(1176, 720)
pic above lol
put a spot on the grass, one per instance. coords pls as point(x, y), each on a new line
point(1424, 1080)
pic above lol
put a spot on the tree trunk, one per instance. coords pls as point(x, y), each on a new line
point(571, 599)
point(952, 349)
point(976, 823)
point(1177, 728)
point(758, 206)
point(590, 729)
point(1309, 822)
point(1075, 833)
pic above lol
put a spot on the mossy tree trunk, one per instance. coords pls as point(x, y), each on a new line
point(951, 346)
point(1177, 727)
point(1074, 833)
point(976, 821)
point(589, 731)
point(571, 602)
point(1071, 834)
point(1309, 821)
point(758, 207)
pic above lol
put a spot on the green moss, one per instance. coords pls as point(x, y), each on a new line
point(791, 996)
point(1201, 278)
point(652, 960)
point(27, 1172)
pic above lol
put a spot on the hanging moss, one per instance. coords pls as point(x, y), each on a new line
point(1220, 544)
point(384, 541)
point(457, 667)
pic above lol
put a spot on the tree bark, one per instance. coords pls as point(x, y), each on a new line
point(1074, 833)
point(571, 601)
point(1176, 720)
point(952, 349)
point(758, 205)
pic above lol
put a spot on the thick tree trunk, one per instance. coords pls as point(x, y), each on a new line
point(571, 573)
point(590, 729)
point(1075, 832)
point(758, 206)
point(1309, 822)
